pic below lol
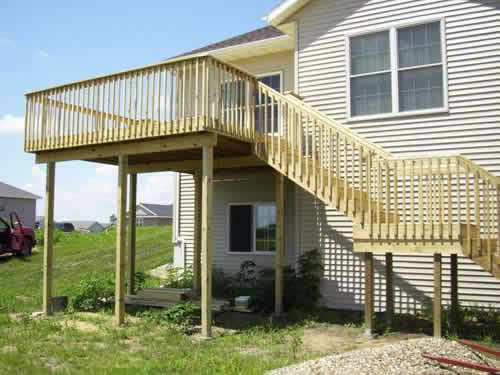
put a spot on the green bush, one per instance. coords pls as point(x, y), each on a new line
point(179, 278)
point(301, 287)
point(91, 293)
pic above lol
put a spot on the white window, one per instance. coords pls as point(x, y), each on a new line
point(397, 71)
point(266, 116)
point(252, 227)
point(139, 221)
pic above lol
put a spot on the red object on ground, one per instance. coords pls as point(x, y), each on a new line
point(481, 348)
point(456, 362)
point(16, 238)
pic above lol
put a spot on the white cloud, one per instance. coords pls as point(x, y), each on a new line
point(11, 124)
point(41, 53)
point(96, 198)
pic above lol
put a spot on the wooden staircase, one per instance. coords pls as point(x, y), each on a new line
point(425, 205)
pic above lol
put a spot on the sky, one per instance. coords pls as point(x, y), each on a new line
point(46, 43)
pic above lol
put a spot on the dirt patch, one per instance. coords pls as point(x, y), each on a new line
point(8, 349)
point(81, 325)
point(339, 339)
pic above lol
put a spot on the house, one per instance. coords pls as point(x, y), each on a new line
point(366, 129)
point(20, 201)
point(88, 226)
point(148, 214)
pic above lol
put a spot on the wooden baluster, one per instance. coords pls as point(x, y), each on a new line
point(396, 197)
point(184, 100)
point(301, 145)
point(477, 211)
point(172, 111)
point(467, 209)
point(153, 102)
point(369, 191)
point(337, 166)
point(136, 118)
point(119, 129)
point(379, 200)
point(353, 178)
point(430, 207)
point(387, 197)
point(72, 113)
point(330, 166)
point(314, 177)
point(498, 219)
point(450, 202)
point(421, 198)
point(361, 186)
point(486, 189)
point(405, 233)
point(441, 197)
point(129, 110)
point(147, 129)
point(165, 103)
point(346, 176)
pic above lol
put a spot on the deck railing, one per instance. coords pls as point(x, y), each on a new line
point(396, 198)
point(173, 97)
point(425, 197)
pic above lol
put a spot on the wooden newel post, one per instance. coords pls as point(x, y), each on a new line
point(280, 245)
point(48, 238)
point(206, 241)
point(121, 240)
point(132, 213)
point(437, 294)
point(369, 290)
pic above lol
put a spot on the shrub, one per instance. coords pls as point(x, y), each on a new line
point(180, 278)
point(301, 288)
point(91, 293)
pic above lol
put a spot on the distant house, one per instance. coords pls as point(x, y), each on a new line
point(153, 214)
point(88, 226)
point(18, 200)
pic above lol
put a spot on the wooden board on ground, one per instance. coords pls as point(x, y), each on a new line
point(167, 294)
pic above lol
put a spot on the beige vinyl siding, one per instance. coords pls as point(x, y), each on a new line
point(471, 128)
point(235, 186)
point(186, 215)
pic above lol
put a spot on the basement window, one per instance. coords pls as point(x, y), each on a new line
point(252, 228)
point(397, 71)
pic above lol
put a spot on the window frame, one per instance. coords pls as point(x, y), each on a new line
point(395, 69)
point(269, 74)
point(254, 228)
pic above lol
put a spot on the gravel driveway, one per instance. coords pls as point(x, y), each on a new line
point(400, 358)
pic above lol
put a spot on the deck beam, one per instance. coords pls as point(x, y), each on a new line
point(121, 241)
point(132, 213)
point(49, 238)
point(102, 151)
point(248, 161)
point(206, 241)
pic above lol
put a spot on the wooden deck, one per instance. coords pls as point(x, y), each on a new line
point(199, 114)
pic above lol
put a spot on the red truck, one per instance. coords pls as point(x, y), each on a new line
point(16, 238)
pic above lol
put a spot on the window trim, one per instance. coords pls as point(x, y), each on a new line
point(281, 74)
point(392, 29)
point(254, 227)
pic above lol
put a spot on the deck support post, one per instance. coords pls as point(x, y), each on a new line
point(197, 233)
point(206, 241)
point(454, 289)
point(132, 213)
point(389, 289)
point(437, 294)
point(369, 290)
point(280, 243)
point(121, 240)
point(49, 238)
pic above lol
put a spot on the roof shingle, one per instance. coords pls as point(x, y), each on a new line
point(9, 191)
point(263, 33)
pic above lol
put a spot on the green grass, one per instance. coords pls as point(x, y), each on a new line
point(145, 345)
point(75, 255)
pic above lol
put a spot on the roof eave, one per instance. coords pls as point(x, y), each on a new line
point(284, 11)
